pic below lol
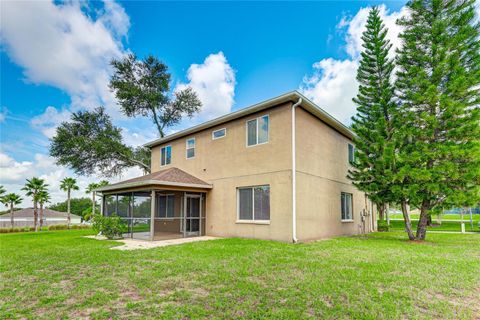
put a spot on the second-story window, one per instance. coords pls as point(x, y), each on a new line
point(351, 153)
point(257, 130)
point(190, 148)
point(220, 133)
point(166, 155)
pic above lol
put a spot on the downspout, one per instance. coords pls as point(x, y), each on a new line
point(294, 175)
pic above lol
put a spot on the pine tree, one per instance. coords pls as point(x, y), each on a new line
point(438, 87)
point(374, 122)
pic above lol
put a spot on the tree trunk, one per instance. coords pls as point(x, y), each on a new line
point(11, 215)
point(423, 221)
point(406, 218)
point(68, 207)
point(41, 216)
point(93, 203)
point(35, 215)
point(381, 211)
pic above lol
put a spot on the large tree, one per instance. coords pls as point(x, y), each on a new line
point(11, 200)
point(68, 184)
point(32, 188)
point(374, 123)
point(142, 87)
point(89, 143)
point(438, 87)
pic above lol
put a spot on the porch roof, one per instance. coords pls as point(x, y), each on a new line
point(173, 177)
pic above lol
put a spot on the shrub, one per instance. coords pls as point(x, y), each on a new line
point(111, 227)
point(382, 226)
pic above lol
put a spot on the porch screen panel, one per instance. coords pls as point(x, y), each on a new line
point(170, 206)
point(110, 204)
point(141, 205)
point(123, 207)
point(262, 203)
point(245, 206)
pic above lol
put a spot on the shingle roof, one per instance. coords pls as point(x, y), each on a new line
point(168, 177)
point(47, 213)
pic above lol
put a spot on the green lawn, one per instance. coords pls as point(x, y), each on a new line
point(466, 217)
point(445, 226)
point(60, 274)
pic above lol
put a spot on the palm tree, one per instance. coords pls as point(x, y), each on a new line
point(32, 188)
point(11, 199)
point(67, 185)
point(2, 190)
point(42, 198)
point(92, 189)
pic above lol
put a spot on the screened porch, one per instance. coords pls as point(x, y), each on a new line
point(172, 214)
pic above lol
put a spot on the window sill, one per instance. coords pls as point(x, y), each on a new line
point(264, 222)
point(348, 221)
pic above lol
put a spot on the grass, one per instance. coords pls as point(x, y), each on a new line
point(60, 274)
point(466, 217)
point(445, 226)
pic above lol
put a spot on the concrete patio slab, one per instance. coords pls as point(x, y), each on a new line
point(134, 244)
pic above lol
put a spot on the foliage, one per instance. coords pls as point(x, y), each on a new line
point(111, 227)
point(87, 213)
point(77, 206)
point(438, 86)
point(374, 122)
point(2, 190)
point(90, 143)
point(143, 88)
point(382, 225)
point(32, 188)
point(92, 186)
point(68, 184)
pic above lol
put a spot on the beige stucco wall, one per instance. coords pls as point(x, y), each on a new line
point(228, 163)
point(322, 166)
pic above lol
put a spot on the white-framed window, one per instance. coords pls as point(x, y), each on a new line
point(190, 145)
point(253, 203)
point(347, 206)
point(218, 134)
point(165, 206)
point(165, 155)
point(351, 153)
point(258, 130)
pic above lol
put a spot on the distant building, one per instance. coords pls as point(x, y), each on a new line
point(24, 218)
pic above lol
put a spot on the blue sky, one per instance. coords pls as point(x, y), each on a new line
point(54, 60)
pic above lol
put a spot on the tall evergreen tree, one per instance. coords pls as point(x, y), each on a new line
point(438, 86)
point(374, 122)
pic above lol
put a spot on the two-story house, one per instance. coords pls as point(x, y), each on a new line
point(275, 170)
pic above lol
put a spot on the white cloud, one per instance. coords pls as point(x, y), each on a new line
point(49, 120)
point(333, 83)
point(63, 46)
point(214, 81)
point(13, 175)
point(333, 86)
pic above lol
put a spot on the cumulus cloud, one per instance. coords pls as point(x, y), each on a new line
point(13, 175)
point(333, 83)
point(49, 120)
point(63, 46)
point(214, 82)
